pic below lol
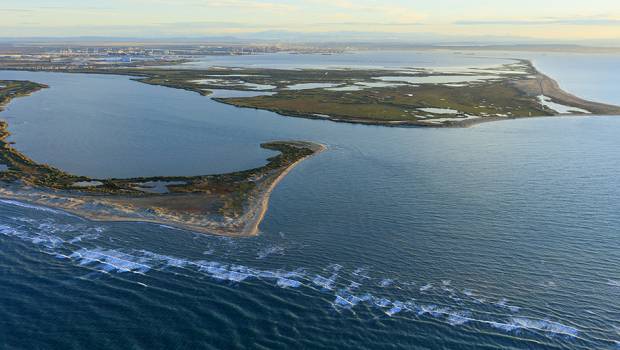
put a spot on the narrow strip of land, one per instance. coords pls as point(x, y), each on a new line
point(390, 97)
point(231, 204)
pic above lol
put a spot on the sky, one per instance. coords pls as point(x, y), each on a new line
point(543, 19)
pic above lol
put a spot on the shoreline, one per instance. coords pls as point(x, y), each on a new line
point(249, 225)
point(110, 209)
point(266, 195)
point(240, 200)
point(545, 85)
point(231, 204)
point(536, 83)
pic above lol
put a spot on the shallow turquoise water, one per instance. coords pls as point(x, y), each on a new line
point(504, 235)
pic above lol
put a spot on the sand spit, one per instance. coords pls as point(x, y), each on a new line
point(199, 212)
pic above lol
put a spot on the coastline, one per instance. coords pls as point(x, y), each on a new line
point(252, 226)
point(540, 84)
point(110, 208)
point(526, 87)
point(241, 213)
point(227, 204)
point(245, 226)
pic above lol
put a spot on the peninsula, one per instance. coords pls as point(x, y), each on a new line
point(407, 97)
point(227, 204)
point(235, 203)
point(411, 96)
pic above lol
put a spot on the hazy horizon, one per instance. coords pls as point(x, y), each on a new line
point(571, 21)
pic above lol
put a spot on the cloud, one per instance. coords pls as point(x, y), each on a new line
point(53, 8)
point(249, 4)
point(16, 10)
point(395, 13)
point(548, 21)
point(236, 4)
point(373, 24)
point(206, 25)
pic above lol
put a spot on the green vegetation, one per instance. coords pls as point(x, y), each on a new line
point(19, 166)
point(398, 104)
point(359, 96)
point(235, 203)
point(172, 81)
point(411, 96)
point(10, 89)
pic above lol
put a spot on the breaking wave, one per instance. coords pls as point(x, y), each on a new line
point(350, 289)
point(32, 206)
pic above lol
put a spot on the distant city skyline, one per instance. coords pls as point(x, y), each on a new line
point(551, 19)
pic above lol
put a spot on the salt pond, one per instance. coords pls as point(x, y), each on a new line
point(438, 79)
point(560, 108)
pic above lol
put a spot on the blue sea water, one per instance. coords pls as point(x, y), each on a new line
point(590, 76)
point(500, 236)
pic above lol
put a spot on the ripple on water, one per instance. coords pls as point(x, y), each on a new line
point(31, 206)
point(349, 291)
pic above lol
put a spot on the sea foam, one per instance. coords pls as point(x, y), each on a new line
point(350, 294)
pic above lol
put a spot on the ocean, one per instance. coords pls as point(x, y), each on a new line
point(505, 235)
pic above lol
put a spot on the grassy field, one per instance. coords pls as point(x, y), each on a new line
point(399, 104)
point(383, 96)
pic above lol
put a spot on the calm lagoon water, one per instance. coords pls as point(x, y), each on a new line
point(501, 236)
point(106, 126)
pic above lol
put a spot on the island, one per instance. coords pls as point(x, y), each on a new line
point(228, 204)
point(388, 97)
point(413, 96)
